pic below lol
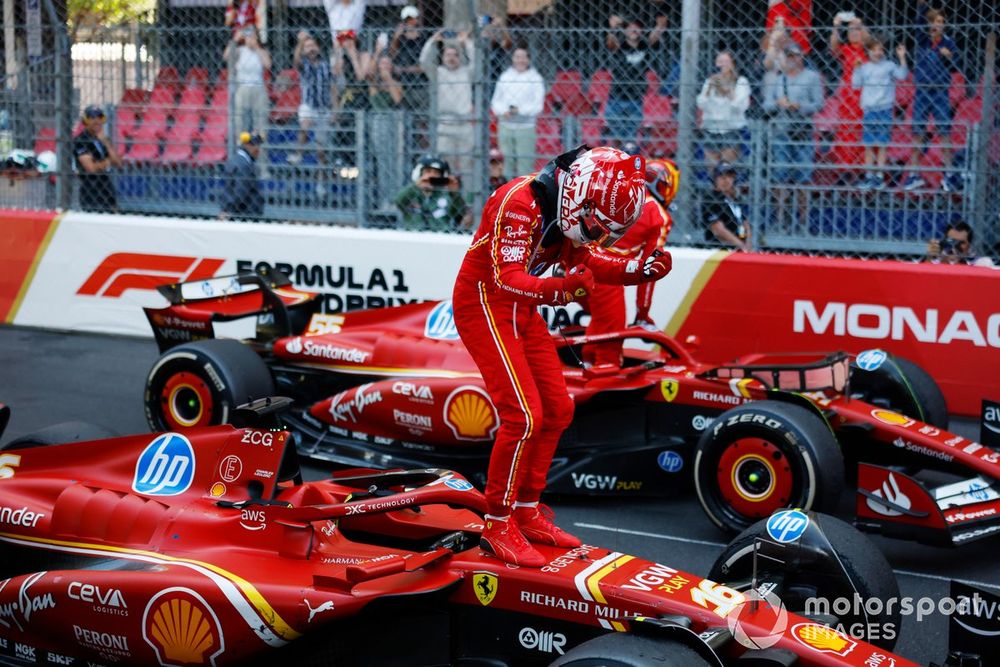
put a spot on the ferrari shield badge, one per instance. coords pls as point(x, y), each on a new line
point(485, 586)
point(669, 389)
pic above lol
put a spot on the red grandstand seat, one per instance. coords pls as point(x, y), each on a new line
point(652, 82)
point(288, 96)
point(567, 94)
point(146, 138)
point(905, 90)
point(592, 130)
point(600, 89)
point(167, 76)
point(956, 91)
point(656, 109)
point(163, 96)
point(179, 139)
point(548, 142)
point(192, 97)
point(969, 112)
point(900, 143)
point(196, 76)
point(46, 140)
point(659, 139)
point(211, 152)
point(220, 95)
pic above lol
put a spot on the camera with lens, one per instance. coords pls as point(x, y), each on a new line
point(949, 246)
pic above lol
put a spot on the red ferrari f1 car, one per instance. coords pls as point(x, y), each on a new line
point(206, 547)
point(395, 387)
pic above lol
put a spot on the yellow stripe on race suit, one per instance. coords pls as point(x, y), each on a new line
point(225, 580)
point(518, 391)
point(496, 229)
point(701, 279)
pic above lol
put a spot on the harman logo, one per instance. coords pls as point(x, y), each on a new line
point(165, 467)
point(440, 323)
point(879, 322)
point(546, 642)
point(470, 414)
point(123, 271)
point(183, 630)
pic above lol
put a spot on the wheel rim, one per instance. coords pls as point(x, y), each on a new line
point(186, 401)
point(754, 478)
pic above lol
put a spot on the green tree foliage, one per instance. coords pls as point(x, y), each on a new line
point(97, 14)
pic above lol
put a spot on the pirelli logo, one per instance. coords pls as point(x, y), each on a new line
point(122, 271)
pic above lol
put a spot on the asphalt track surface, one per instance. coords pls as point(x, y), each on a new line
point(51, 377)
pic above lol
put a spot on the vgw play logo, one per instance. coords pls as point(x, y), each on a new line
point(165, 467)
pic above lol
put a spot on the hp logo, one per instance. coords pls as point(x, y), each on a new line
point(165, 467)
point(787, 525)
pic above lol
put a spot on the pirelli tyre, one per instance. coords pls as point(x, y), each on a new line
point(59, 434)
point(619, 649)
point(200, 383)
point(901, 385)
point(865, 602)
point(758, 458)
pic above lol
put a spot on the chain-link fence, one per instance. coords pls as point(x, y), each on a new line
point(861, 130)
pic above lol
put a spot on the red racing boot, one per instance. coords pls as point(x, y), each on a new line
point(535, 521)
point(503, 539)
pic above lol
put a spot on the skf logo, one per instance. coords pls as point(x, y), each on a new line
point(485, 586)
point(183, 630)
point(823, 639)
point(669, 389)
point(470, 414)
point(7, 464)
point(123, 271)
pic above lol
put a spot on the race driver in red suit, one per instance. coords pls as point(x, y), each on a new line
point(580, 201)
point(649, 233)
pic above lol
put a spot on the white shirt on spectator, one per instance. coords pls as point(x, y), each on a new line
point(249, 67)
point(342, 16)
point(720, 113)
point(453, 86)
point(524, 90)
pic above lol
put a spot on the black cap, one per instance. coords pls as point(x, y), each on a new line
point(723, 168)
point(93, 111)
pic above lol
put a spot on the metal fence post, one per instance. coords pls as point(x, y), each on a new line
point(690, 23)
point(63, 107)
point(757, 192)
point(480, 101)
point(361, 162)
point(980, 172)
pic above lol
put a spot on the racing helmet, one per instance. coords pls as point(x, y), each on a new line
point(430, 161)
point(662, 180)
point(601, 194)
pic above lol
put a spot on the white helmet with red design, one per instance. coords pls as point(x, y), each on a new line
point(601, 195)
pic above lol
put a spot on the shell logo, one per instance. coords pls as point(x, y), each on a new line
point(182, 628)
point(823, 639)
point(470, 414)
point(892, 418)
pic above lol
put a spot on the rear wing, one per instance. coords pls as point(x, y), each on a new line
point(281, 309)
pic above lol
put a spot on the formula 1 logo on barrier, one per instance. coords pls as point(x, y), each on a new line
point(123, 271)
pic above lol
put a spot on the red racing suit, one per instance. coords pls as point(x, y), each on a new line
point(495, 307)
point(607, 303)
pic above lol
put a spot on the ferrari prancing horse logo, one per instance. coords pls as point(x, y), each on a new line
point(669, 389)
point(485, 586)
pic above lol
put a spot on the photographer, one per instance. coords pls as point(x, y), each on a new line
point(955, 247)
point(432, 201)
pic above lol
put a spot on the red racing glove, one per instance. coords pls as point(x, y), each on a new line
point(656, 265)
point(578, 284)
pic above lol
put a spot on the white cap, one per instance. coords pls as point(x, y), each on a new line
point(409, 12)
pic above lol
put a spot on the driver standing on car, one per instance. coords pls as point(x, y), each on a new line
point(607, 303)
point(580, 201)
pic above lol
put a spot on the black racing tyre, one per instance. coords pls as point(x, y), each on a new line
point(200, 383)
point(903, 386)
point(757, 458)
point(59, 434)
point(619, 649)
point(871, 578)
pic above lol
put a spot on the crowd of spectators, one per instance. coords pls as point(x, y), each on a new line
point(850, 78)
